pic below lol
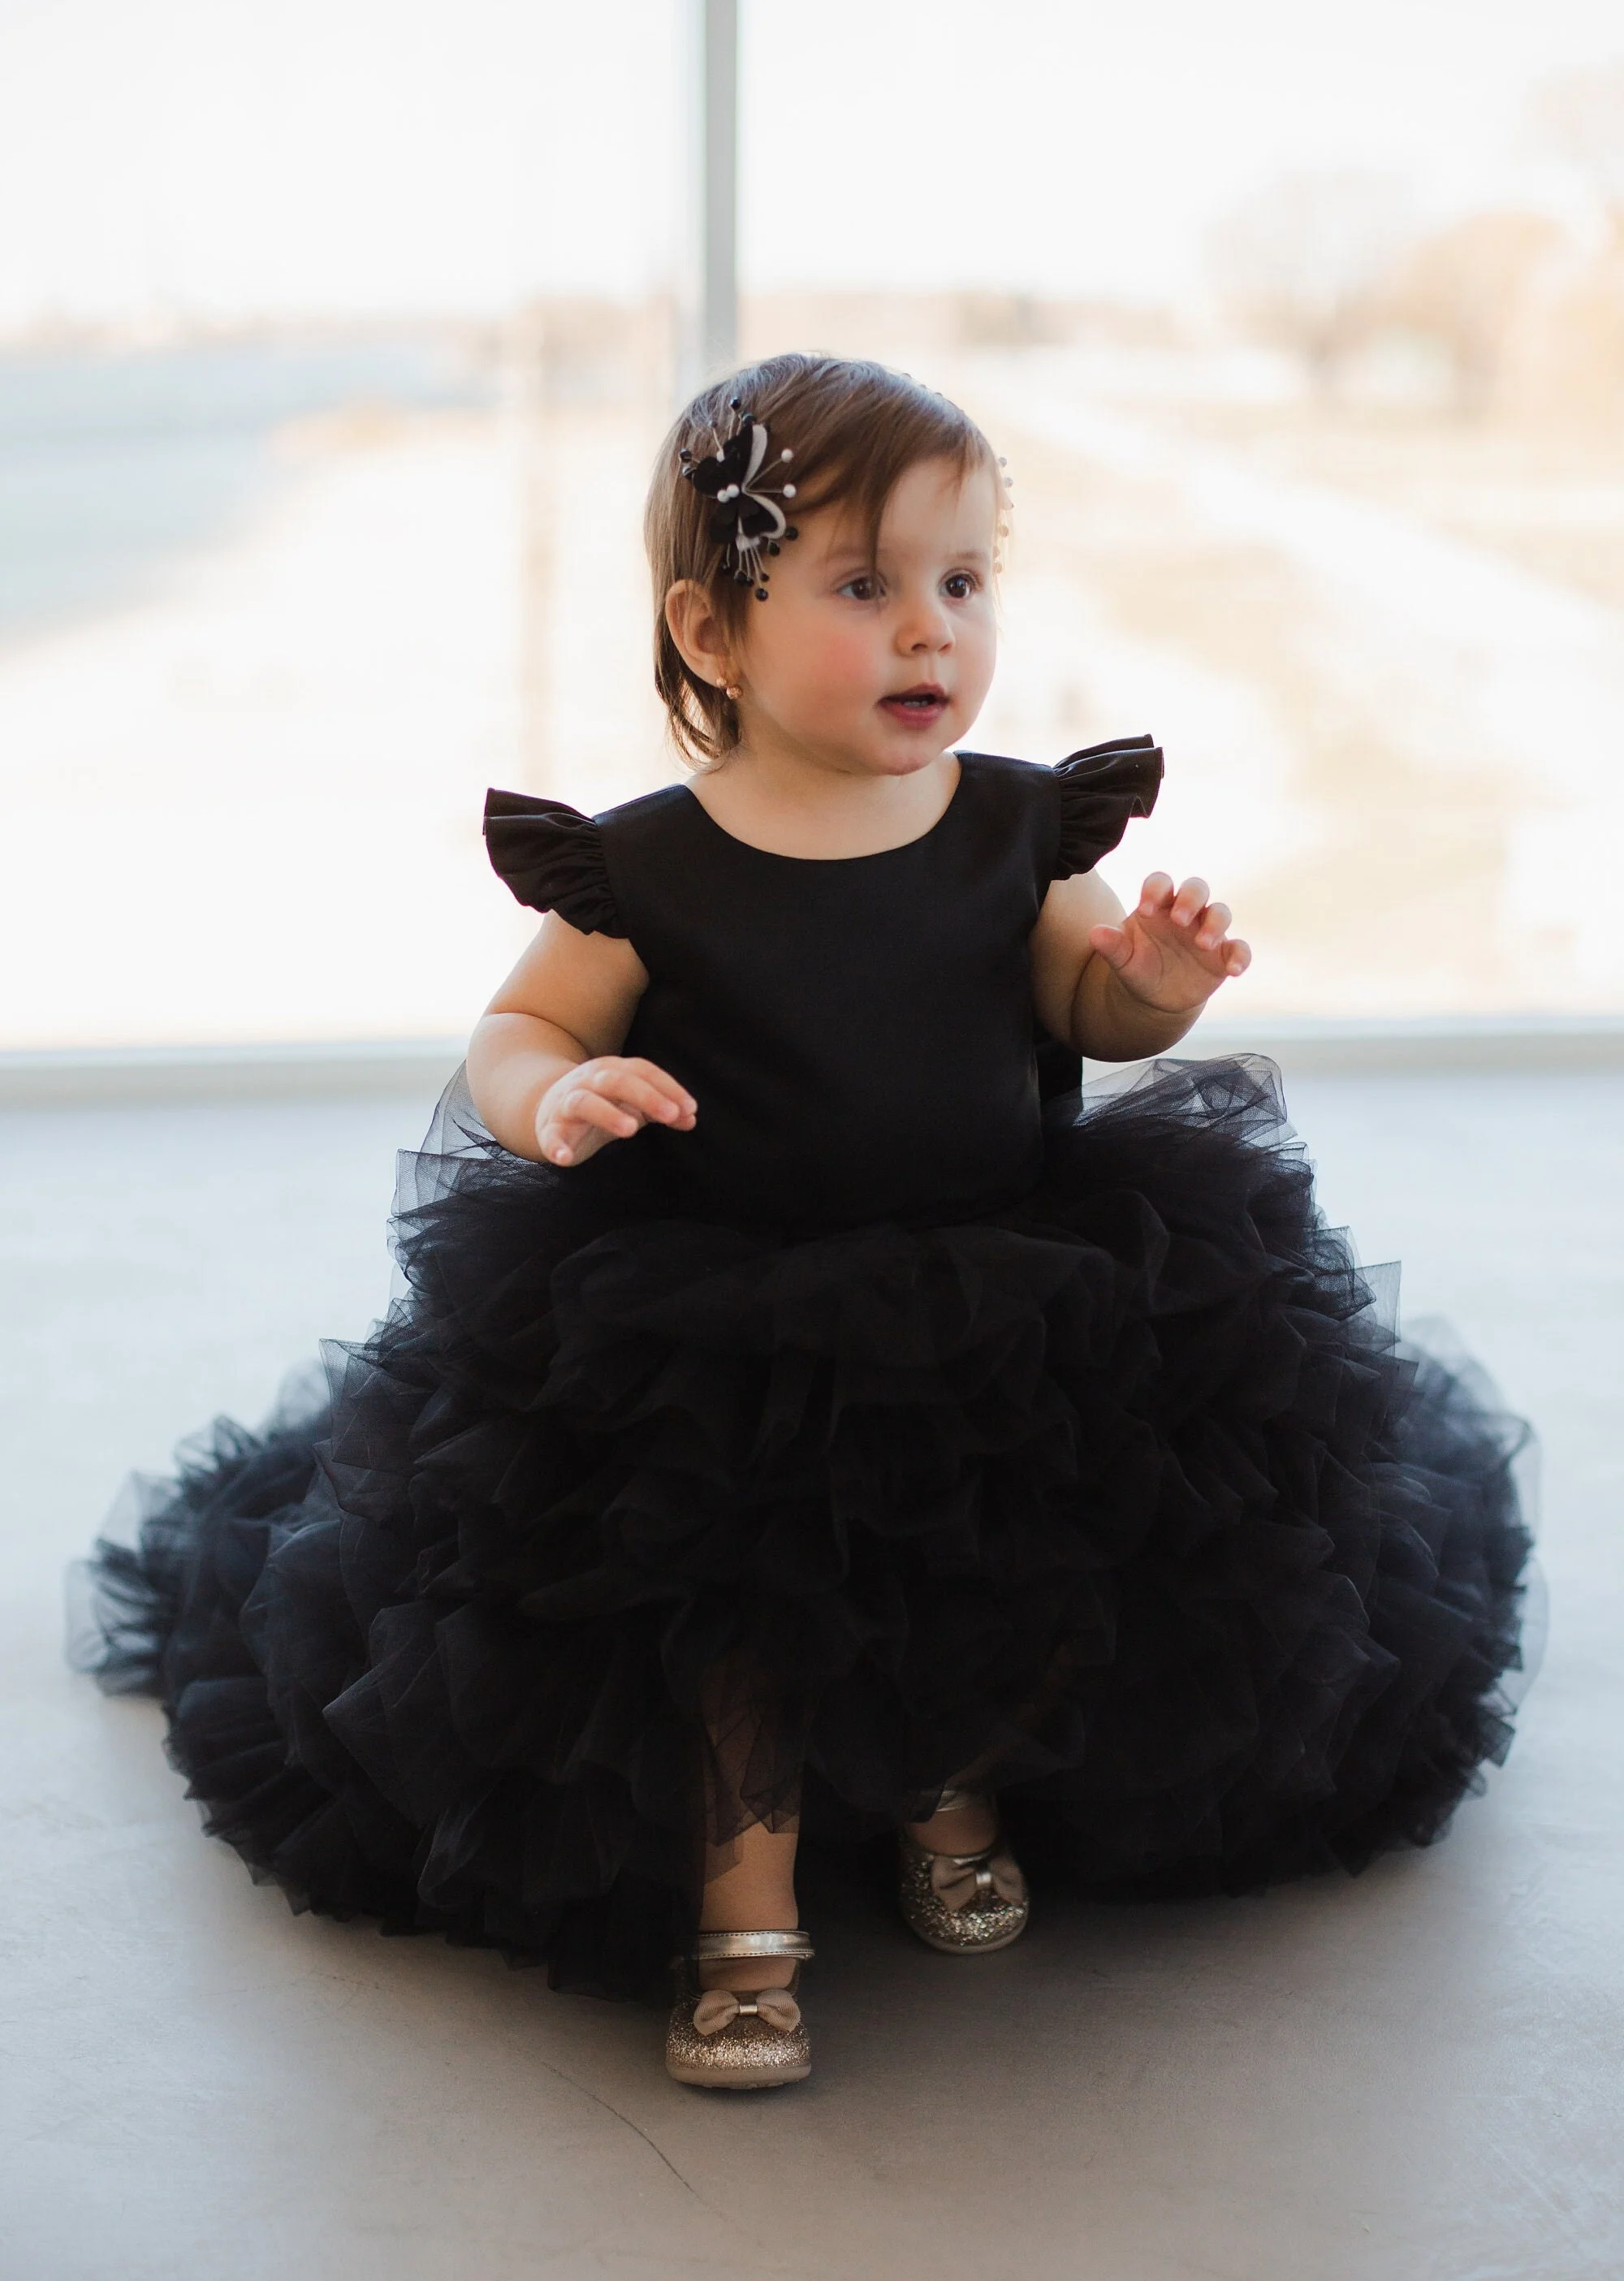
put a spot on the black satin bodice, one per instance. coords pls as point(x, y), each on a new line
point(858, 1033)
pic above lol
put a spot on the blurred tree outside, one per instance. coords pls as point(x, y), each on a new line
point(1302, 263)
point(1517, 311)
point(1476, 290)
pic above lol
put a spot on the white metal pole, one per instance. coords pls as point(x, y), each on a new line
point(719, 269)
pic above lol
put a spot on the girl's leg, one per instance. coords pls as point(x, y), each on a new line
point(750, 1878)
point(750, 1887)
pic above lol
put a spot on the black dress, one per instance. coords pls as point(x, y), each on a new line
point(892, 1425)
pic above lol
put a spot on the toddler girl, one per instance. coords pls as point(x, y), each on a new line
point(807, 1410)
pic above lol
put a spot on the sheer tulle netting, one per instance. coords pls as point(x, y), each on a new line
point(621, 1525)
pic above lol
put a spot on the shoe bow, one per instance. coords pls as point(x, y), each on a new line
point(719, 2008)
point(958, 1879)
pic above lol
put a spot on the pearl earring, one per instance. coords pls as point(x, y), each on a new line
point(732, 694)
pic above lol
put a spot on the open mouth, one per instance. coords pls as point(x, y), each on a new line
point(926, 702)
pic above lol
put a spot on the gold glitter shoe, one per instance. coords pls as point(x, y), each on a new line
point(963, 1904)
point(739, 2042)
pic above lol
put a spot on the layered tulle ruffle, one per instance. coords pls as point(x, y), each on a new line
point(622, 1525)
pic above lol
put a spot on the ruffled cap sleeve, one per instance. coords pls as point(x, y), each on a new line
point(1102, 790)
point(552, 858)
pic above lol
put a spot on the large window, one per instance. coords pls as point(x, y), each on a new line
point(334, 341)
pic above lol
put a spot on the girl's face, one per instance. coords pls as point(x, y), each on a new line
point(876, 665)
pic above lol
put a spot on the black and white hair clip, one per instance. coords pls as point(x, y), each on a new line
point(748, 519)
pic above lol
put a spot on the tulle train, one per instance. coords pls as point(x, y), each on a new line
point(621, 1526)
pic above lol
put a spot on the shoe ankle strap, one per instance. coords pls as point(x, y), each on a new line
point(730, 1948)
point(955, 1800)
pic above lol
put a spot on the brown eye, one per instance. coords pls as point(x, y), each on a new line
point(861, 589)
point(960, 586)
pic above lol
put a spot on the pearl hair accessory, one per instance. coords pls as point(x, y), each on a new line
point(748, 520)
point(1003, 508)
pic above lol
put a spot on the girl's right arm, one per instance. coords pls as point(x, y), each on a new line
point(543, 1064)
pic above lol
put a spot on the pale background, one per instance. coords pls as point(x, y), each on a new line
point(334, 341)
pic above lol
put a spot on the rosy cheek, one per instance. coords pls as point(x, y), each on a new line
point(833, 660)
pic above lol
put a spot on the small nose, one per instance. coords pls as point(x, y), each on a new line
point(925, 625)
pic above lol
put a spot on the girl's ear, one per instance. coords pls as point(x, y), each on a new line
point(696, 627)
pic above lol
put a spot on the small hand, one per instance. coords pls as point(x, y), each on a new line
point(1172, 949)
point(608, 1099)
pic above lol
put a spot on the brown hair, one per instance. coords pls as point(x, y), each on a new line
point(854, 429)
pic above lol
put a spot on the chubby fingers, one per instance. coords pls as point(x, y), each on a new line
point(580, 1113)
point(1155, 897)
point(1212, 936)
point(614, 1098)
point(1185, 908)
point(1202, 927)
point(579, 1120)
point(644, 1088)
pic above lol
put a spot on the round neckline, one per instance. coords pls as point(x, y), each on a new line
point(832, 862)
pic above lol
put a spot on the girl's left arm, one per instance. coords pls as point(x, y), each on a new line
point(1117, 985)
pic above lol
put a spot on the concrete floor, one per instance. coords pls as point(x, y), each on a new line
point(1410, 2077)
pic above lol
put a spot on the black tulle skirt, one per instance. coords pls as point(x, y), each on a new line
point(622, 1527)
